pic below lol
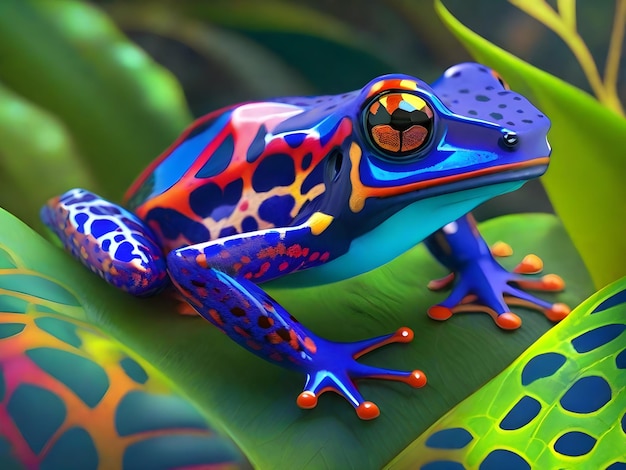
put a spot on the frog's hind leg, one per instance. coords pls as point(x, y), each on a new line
point(108, 239)
point(254, 320)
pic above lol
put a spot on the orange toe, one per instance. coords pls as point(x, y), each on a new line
point(438, 312)
point(307, 400)
point(508, 321)
point(558, 312)
point(367, 410)
point(501, 249)
point(531, 264)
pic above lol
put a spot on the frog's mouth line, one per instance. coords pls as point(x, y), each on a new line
point(519, 171)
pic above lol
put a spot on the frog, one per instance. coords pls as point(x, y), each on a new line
point(307, 191)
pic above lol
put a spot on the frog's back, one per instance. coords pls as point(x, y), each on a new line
point(239, 169)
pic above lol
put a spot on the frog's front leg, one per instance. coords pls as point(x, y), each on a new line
point(480, 283)
point(216, 278)
point(108, 239)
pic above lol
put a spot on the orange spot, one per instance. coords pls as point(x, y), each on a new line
point(272, 252)
point(254, 345)
point(113, 271)
point(305, 252)
point(245, 259)
point(243, 206)
point(241, 331)
point(273, 338)
point(237, 266)
point(325, 256)
point(248, 275)
point(263, 269)
point(282, 266)
point(293, 341)
point(294, 251)
point(224, 254)
point(310, 345)
point(201, 261)
point(214, 314)
point(314, 256)
point(276, 356)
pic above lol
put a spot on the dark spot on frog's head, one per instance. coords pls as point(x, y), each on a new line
point(482, 98)
point(198, 283)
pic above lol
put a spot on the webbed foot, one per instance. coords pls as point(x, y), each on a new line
point(482, 284)
point(335, 368)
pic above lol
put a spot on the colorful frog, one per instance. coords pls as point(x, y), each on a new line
point(315, 190)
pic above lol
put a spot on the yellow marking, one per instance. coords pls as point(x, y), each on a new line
point(375, 87)
point(357, 198)
point(408, 84)
point(319, 222)
point(415, 101)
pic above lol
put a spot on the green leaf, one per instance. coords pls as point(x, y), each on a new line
point(254, 401)
point(70, 391)
point(68, 58)
point(570, 381)
point(33, 146)
point(585, 179)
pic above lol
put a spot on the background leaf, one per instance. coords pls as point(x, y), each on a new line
point(584, 181)
point(68, 58)
point(254, 401)
point(560, 403)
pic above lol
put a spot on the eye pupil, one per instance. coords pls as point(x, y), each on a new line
point(399, 123)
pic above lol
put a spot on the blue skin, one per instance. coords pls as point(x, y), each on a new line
point(376, 205)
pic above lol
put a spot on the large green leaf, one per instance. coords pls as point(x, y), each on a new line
point(585, 179)
point(33, 146)
point(560, 404)
point(119, 106)
point(254, 401)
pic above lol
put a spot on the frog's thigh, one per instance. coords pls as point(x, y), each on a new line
point(108, 239)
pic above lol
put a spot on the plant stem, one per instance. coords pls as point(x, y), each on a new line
point(611, 69)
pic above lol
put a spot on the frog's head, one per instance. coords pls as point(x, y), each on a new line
point(421, 156)
point(467, 131)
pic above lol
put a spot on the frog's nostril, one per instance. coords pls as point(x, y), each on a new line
point(510, 139)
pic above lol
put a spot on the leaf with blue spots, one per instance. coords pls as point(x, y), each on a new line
point(561, 404)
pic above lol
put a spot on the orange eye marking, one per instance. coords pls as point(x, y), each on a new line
point(393, 102)
point(386, 137)
point(413, 138)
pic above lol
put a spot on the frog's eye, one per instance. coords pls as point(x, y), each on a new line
point(398, 123)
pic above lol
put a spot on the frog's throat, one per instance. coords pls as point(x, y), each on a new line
point(399, 233)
